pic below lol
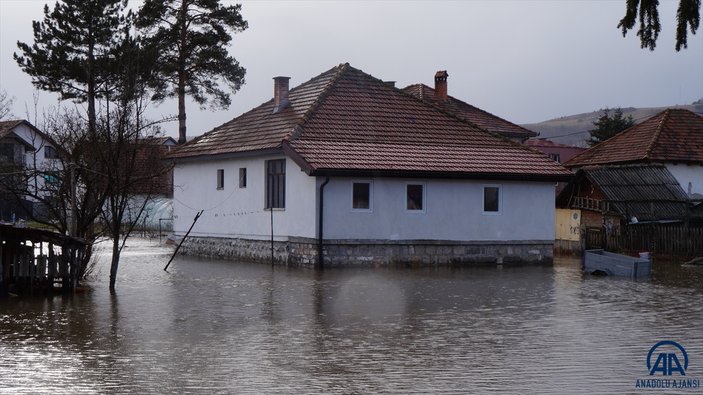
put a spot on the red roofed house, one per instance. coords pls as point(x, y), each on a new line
point(673, 137)
point(558, 152)
point(347, 166)
point(485, 120)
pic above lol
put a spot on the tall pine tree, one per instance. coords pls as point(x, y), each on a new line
point(191, 37)
point(608, 126)
point(72, 47)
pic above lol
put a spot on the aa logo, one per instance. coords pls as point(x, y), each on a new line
point(666, 358)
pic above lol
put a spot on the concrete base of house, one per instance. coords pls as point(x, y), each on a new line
point(303, 251)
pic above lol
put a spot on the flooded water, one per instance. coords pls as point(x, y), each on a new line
point(222, 327)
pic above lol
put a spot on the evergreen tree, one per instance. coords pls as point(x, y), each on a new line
point(647, 11)
point(72, 47)
point(607, 126)
point(191, 37)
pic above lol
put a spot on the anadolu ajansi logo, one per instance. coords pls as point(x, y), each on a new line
point(667, 362)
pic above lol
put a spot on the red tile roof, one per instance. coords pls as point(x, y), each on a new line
point(673, 135)
point(346, 121)
point(470, 113)
point(543, 142)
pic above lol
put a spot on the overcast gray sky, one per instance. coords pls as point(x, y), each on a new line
point(526, 61)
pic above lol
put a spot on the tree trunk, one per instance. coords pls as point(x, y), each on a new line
point(115, 261)
point(182, 73)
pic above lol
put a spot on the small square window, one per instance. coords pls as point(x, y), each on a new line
point(50, 152)
point(555, 157)
point(242, 177)
point(415, 197)
point(220, 178)
point(361, 196)
point(491, 199)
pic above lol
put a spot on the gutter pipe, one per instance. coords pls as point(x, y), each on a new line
point(319, 265)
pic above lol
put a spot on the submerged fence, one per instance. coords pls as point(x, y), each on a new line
point(664, 239)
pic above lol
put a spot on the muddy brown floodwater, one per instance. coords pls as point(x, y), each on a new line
point(209, 326)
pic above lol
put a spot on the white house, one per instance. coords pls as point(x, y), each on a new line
point(674, 138)
point(36, 153)
point(348, 168)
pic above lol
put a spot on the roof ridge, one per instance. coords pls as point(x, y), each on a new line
point(298, 127)
point(657, 133)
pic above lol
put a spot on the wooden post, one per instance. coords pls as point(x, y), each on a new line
point(52, 268)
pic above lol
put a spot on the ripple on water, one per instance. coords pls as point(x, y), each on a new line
point(210, 326)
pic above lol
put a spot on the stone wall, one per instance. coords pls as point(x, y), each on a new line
point(303, 251)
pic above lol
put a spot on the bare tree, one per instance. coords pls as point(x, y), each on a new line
point(5, 105)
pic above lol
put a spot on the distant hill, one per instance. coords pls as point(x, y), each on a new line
point(573, 129)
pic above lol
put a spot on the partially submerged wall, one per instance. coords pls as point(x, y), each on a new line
point(303, 251)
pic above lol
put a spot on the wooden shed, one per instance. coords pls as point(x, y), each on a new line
point(36, 260)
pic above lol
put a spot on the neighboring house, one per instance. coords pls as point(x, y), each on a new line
point(628, 194)
point(557, 152)
point(32, 151)
point(155, 193)
point(673, 138)
point(485, 120)
point(348, 166)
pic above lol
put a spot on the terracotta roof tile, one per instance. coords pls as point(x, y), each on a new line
point(674, 135)
point(466, 111)
point(347, 120)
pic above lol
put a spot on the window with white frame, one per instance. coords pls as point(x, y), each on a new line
point(415, 197)
point(220, 178)
point(492, 199)
point(362, 195)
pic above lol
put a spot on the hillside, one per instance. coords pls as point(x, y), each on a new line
point(573, 129)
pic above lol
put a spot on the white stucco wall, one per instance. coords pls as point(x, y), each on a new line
point(36, 159)
point(686, 174)
point(239, 212)
point(453, 211)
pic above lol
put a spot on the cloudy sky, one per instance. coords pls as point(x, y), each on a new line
point(526, 61)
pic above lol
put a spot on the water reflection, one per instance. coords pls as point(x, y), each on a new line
point(210, 326)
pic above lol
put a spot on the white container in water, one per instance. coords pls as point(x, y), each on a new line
point(644, 255)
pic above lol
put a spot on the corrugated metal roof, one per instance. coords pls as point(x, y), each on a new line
point(648, 192)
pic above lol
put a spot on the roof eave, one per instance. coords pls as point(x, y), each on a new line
point(225, 155)
point(439, 175)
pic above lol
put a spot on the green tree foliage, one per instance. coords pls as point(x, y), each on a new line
point(191, 38)
point(74, 48)
point(647, 13)
point(608, 126)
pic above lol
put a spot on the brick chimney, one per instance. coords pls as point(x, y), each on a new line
point(440, 85)
point(280, 93)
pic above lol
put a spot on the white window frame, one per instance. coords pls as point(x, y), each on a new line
point(424, 197)
point(351, 196)
point(500, 199)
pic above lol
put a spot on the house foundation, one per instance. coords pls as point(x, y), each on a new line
point(303, 251)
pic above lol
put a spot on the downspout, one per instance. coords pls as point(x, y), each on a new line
point(319, 264)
